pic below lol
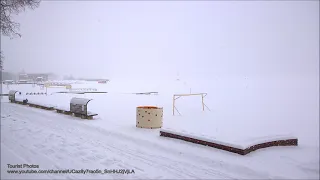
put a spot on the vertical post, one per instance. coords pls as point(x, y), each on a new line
point(173, 100)
point(202, 102)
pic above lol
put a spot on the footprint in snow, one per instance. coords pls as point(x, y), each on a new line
point(93, 151)
point(93, 157)
point(58, 157)
point(100, 156)
point(109, 162)
point(85, 160)
point(63, 150)
point(76, 144)
point(39, 146)
point(77, 154)
point(34, 152)
point(48, 152)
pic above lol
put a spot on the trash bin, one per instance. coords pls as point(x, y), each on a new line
point(149, 117)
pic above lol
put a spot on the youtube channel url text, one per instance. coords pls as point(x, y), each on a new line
point(74, 171)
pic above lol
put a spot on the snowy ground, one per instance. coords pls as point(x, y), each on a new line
point(111, 140)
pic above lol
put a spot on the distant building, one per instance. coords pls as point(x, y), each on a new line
point(39, 79)
point(23, 77)
point(33, 77)
point(98, 80)
point(8, 82)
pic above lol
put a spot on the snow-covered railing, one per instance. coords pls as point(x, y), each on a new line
point(83, 89)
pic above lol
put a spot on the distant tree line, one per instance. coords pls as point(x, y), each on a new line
point(1, 60)
point(9, 76)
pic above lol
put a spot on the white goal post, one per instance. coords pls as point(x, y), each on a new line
point(177, 96)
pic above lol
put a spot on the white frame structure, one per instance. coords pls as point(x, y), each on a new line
point(177, 96)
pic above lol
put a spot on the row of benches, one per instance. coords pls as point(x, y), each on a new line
point(78, 106)
point(39, 93)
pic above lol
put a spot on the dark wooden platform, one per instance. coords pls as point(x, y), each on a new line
point(83, 116)
point(283, 142)
point(63, 111)
point(41, 106)
point(20, 102)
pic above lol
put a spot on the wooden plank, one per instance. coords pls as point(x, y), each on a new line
point(62, 109)
point(92, 114)
point(284, 142)
point(77, 115)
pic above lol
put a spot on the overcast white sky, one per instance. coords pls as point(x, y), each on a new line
point(106, 39)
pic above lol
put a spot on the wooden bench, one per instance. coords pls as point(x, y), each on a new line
point(12, 95)
point(78, 106)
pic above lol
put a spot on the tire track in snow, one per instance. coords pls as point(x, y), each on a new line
point(14, 135)
point(48, 135)
point(171, 166)
point(133, 156)
point(180, 169)
point(44, 148)
point(13, 158)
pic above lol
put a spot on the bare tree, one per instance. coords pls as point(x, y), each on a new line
point(1, 60)
point(8, 8)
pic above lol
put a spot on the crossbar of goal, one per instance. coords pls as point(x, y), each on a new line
point(177, 96)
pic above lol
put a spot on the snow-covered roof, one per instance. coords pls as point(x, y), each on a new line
point(238, 146)
point(82, 101)
point(243, 144)
point(12, 92)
